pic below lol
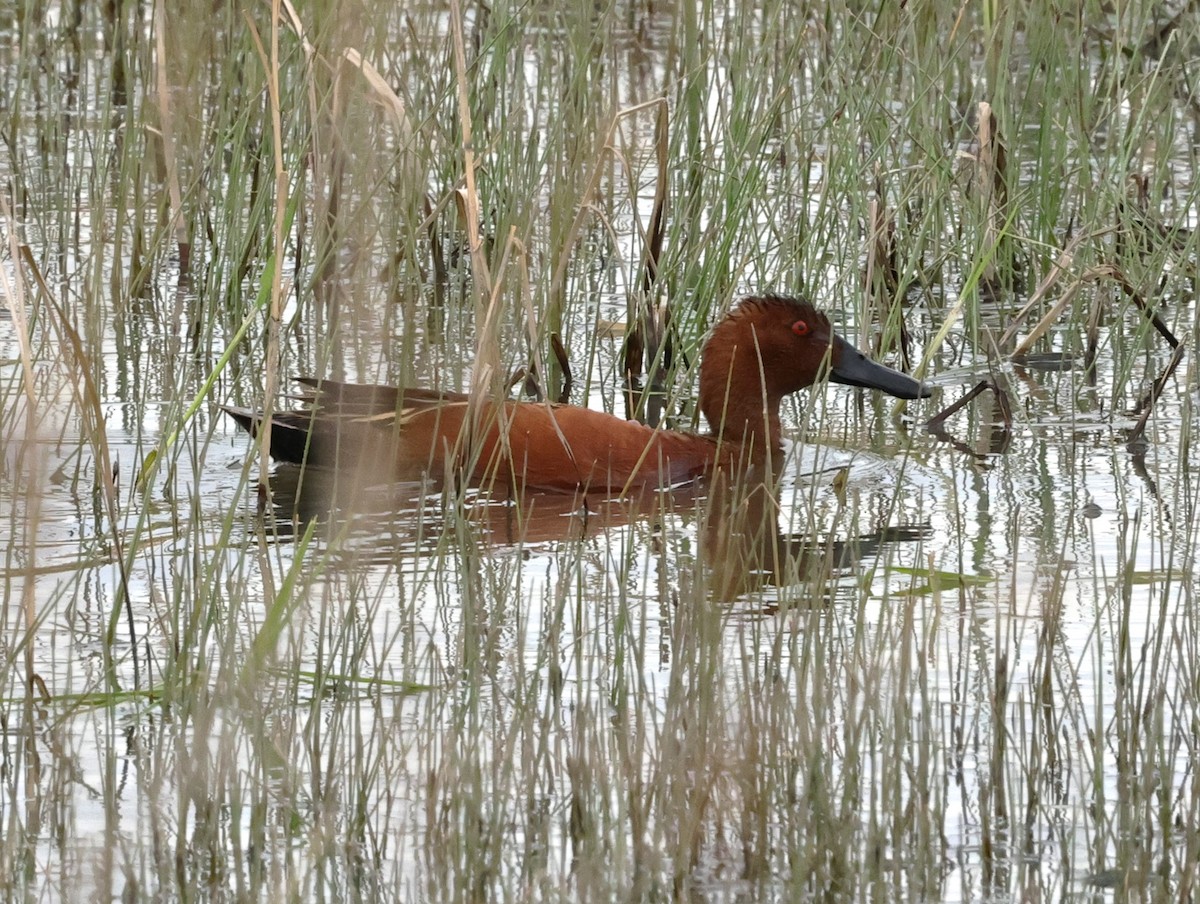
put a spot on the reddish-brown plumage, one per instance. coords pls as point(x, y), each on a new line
point(763, 350)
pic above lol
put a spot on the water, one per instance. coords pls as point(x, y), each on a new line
point(969, 675)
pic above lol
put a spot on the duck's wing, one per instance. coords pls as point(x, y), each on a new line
point(368, 399)
point(341, 425)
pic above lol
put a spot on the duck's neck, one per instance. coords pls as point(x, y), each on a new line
point(743, 416)
point(739, 394)
point(753, 424)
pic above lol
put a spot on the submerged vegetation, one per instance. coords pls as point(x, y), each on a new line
point(967, 668)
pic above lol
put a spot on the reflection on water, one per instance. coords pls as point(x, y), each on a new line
point(742, 545)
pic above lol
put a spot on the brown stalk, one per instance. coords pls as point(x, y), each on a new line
point(90, 408)
point(991, 167)
point(328, 180)
point(14, 295)
point(938, 421)
point(1048, 320)
point(881, 271)
point(536, 367)
point(1000, 438)
point(1136, 297)
point(645, 328)
point(485, 375)
point(1147, 404)
point(381, 91)
point(1065, 259)
point(564, 364)
point(1093, 339)
point(657, 229)
point(440, 275)
point(167, 133)
point(271, 66)
point(881, 278)
point(560, 267)
point(1051, 316)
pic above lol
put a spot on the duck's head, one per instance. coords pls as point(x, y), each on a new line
point(770, 346)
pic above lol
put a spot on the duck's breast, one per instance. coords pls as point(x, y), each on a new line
point(566, 447)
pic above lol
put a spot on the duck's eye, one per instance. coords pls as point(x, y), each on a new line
point(800, 327)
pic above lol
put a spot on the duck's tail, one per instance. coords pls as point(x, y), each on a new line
point(342, 425)
point(291, 433)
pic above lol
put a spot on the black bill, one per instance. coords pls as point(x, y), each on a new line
point(852, 368)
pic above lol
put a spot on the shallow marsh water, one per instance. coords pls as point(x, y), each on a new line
point(436, 697)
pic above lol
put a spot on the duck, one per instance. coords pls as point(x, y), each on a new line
point(764, 349)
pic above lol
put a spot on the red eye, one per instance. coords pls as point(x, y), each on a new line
point(800, 327)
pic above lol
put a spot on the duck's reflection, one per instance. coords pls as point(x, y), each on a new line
point(742, 549)
point(745, 550)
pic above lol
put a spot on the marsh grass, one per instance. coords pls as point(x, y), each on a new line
point(961, 671)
